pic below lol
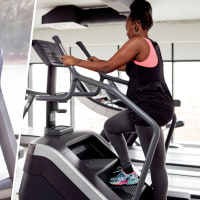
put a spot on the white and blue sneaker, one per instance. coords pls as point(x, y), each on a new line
point(124, 179)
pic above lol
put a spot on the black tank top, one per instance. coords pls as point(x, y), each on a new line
point(147, 89)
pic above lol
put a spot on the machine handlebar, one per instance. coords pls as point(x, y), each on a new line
point(83, 48)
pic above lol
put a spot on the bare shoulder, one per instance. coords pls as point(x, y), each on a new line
point(132, 48)
point(137, 41)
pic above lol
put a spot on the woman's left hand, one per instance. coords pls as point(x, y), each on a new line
point(68, 60)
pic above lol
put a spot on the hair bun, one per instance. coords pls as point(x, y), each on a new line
point(141, 10)
point(141, 5)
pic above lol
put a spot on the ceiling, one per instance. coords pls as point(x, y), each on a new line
point(163, 10)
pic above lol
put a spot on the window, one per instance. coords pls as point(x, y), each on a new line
point(186, 88)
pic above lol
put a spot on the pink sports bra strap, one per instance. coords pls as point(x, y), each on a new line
point(152, 59)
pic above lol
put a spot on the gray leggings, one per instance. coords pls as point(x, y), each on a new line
point(121, 123)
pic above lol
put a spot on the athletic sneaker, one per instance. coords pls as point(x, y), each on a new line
point(124, 179)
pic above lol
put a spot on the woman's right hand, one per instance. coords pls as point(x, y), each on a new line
point(68, 60)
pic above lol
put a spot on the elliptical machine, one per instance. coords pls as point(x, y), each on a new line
point(7, 142)
point(66, 165)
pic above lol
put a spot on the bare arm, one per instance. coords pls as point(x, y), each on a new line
point(117, 62)
point(123, 68)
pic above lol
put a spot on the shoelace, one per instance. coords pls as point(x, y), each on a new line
point(119, 169)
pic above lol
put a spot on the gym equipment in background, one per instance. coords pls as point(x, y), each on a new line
point(7, 142)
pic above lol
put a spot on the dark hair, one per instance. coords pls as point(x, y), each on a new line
point(141, 10)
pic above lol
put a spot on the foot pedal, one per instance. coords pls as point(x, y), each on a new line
point(172, 195)
point(125, 192)
point(58, 130)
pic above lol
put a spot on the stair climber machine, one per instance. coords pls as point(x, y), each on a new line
point(8, 143)
point(67, 165)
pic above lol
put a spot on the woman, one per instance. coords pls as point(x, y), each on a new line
point(140, 57)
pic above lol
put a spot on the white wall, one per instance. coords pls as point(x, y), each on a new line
point(185, 35)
